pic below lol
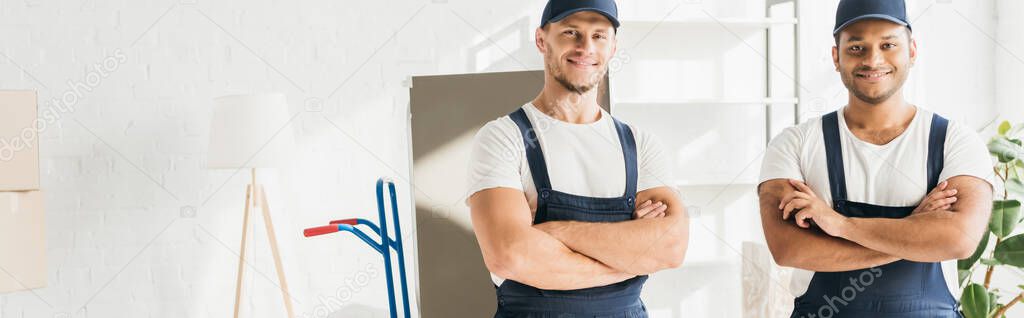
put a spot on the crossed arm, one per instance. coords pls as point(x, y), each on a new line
point(950, 231)
point(641, 246)
point(513, 249)
point(931, 236)
point(600, 254)
point(792, 246)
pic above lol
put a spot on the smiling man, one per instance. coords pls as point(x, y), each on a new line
point(880, 198)
point(571, 207)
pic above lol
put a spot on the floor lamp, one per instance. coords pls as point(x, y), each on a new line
point(250, 132)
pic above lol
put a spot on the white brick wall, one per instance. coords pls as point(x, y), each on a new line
point(118, 244)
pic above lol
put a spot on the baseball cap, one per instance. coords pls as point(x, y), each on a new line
point(556, 10)
point(852, 11)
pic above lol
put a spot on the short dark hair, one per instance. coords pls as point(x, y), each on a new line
point(910, 35)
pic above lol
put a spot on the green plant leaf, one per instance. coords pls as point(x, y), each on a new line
point(1005, 216)
point(1011, 251)
point(990, 262)
point(993, 301)
point(975, 301)
point(1018, 169)
point(963, 275)
point(1004, 127)
point(967, 263)
point(1006, 150)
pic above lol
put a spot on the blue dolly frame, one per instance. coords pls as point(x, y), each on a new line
point(384, 247)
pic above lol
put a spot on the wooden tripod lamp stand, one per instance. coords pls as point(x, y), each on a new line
point(249, 132)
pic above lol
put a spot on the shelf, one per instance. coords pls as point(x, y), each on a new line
point(756, 23)
point(709, 101)
point(699, 184)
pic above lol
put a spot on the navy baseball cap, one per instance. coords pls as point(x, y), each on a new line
point(852, 11)
point(556, 10)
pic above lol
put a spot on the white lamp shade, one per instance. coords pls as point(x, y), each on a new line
point(250, 131)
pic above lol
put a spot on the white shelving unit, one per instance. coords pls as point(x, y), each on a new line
point(707, 101)
point(708, 87)
point(730, 22)
point(682, 66)
point(723, 184)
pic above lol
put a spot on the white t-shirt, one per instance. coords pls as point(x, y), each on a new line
point(582, 159)
point(894, 174)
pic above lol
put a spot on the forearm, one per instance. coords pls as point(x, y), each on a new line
point(640, 247)
point(812, 250)
point(815, 251)
point(513, 249)
point(544, 262)
point(931, 236)
point(925, 237)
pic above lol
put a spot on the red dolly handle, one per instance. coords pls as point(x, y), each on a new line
point(352, 222)
point(320, 230)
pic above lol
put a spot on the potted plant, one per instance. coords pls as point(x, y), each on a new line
point(981, 300)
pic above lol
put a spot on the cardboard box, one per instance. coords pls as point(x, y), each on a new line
point(19, 141)
point(22, 241)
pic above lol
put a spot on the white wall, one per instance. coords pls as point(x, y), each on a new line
point(123, 166)
point(126, 161)
point(1009, 57)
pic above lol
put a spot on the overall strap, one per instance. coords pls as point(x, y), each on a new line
point(834, 155)
point(629, 156)
point(936, 149)
point(534, 155)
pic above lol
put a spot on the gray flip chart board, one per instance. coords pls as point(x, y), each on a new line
point(447, 111)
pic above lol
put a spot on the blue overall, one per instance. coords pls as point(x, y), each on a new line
point(620, 300)
point(903, 289)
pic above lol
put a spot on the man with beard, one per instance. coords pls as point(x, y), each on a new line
point(879, 198)
point(571, 207)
